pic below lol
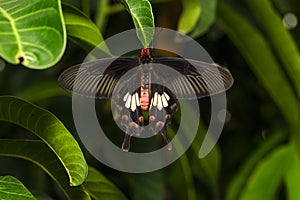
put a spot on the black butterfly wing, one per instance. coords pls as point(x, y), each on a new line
point(96, 79)
point(195, 79)
point(109, 78)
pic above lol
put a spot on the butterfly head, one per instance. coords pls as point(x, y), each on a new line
point(145, 56)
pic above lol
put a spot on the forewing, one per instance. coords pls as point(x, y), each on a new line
point(195, 79)
point(96, 79)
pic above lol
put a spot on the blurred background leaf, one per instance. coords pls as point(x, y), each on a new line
point(207, 17)
point(189, 17)
point(78, 26)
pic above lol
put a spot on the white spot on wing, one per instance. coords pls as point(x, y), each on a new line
point(159, 103)
point(126, 96)
point(127, 104)
point(133, 104)
point(151, 104)
point(137, 99)
point(167, 96)
point(155, 99)
point(164, 100)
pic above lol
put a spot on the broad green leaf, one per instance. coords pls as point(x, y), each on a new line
point(141, 13)
point(12, 188)
point(279, 37)
point(39, 153)
point(261, 59)
point(207, 17)
point(81, 30)
point(292, 175)
point(189, 16)
point(266, 178)
point(49, 129)
point(32, 32)
point(100, 188)
point(239, 181)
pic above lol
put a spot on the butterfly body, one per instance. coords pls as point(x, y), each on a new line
point(144, 84)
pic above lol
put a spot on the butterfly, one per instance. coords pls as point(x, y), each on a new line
point(144, 84)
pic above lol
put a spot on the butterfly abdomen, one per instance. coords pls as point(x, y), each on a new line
point(145, 90)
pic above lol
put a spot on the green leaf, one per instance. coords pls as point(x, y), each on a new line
point(207, 17)
point(261, 59)
point(99, 187)
point(48, 128)
point(32, 32)
point(12, 188)
point(189, 17)
point(40, 154)
point(239, 181)
point(292, 175)
point(81, 30)
point(279, 37)
point(265, 180)
point(141, 13)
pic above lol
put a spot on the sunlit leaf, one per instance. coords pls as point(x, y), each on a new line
point(39, 153)
point(99, 187)
point(49, 129)
point(81, 30)
point(207, 17)
point(141, 13)
point(32, 32)
point(189, 16)
point(266, 178)
point(12, 188)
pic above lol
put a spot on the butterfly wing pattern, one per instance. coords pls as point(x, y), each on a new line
point(137, 85)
